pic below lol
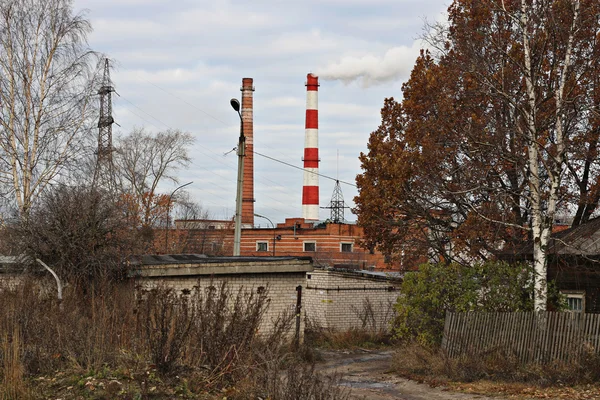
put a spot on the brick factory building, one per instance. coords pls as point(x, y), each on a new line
point(329, 244)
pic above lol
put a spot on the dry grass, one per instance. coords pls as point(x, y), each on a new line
point(162, 344)
point(11, 370)
point(497, 372)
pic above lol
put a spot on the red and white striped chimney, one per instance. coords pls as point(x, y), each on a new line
point(310, 190)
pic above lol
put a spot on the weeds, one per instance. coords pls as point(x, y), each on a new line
point(106, 338)
point(423, 362)
point(11, 367)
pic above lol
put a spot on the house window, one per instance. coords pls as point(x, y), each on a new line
point(575, 300)
point(346, 247)
point(310, 246)
point(262, 246)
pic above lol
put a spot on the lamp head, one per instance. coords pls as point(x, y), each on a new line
point(235, 104)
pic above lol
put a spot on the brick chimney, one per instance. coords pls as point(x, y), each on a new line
point(248, 126)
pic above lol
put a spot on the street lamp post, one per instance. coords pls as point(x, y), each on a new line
point(241, 151)
point(273, 225)
point(168, 212)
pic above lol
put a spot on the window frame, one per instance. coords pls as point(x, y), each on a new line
point(575, 295)
point(262, 242)
point(309, 242)
point(342, 244)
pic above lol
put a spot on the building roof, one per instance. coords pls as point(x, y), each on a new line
point(200, 265)
point(159, 259)
point(13, 263)
point(581, 240)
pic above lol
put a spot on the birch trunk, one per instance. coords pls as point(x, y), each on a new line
point(544, 201)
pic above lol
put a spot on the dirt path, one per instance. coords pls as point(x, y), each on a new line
point(366, 373)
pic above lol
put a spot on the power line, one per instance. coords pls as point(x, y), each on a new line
point(188, 103)
point(217, 119)
point(209, 154)
point(303, 169)
point(201, 110)
point(220, 161)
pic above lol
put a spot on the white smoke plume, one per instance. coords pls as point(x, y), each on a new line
point(371, 69)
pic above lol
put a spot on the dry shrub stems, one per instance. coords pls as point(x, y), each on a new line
point(420, 361)
point(207, 338)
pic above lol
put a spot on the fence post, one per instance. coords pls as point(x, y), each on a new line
point(298, 315)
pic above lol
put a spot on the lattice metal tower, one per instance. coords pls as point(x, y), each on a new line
point(337, 205)
point(104, 167)
point(106, 120)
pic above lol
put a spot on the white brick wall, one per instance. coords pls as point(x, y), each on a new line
point(339, 300)
point(281, 289)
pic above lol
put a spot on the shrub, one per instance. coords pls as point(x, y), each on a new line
point(428, 293)
point(165, 320)
point(79, 232)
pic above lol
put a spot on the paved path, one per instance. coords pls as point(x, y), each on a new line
point(367, 374)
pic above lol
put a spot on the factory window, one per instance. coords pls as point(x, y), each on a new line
point(346, 247)
point(310, 246)
point(262, 246)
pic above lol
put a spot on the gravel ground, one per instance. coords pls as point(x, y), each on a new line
point(366, 373)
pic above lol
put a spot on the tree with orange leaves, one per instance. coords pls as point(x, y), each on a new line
point(496, 133)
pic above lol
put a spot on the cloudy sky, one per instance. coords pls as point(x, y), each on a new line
point(179, 62)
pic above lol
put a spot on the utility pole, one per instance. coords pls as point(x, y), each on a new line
point(241, 151)
point(104, 167)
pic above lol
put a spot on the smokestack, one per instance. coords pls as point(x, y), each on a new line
point(248, 127)
point(310, 190)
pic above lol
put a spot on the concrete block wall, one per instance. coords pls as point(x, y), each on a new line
point(341, 300)
point(280, 287)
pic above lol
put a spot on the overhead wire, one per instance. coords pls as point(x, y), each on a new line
point(151, 123)
point(277, 187)
point(262, 155)
point(304, 169)
point(209, 155)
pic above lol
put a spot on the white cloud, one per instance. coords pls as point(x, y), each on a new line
point(370, 69)
point(170, 75)
point(179, 62)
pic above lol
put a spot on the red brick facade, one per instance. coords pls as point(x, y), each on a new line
point(248, 126)
point(331, 245)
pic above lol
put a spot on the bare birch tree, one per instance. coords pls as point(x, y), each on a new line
point(46, 94)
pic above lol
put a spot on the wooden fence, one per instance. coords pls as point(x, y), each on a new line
point(532, 337)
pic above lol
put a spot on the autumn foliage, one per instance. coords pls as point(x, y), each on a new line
point(497, 133)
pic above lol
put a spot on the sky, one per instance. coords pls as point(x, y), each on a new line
point(177, 64)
